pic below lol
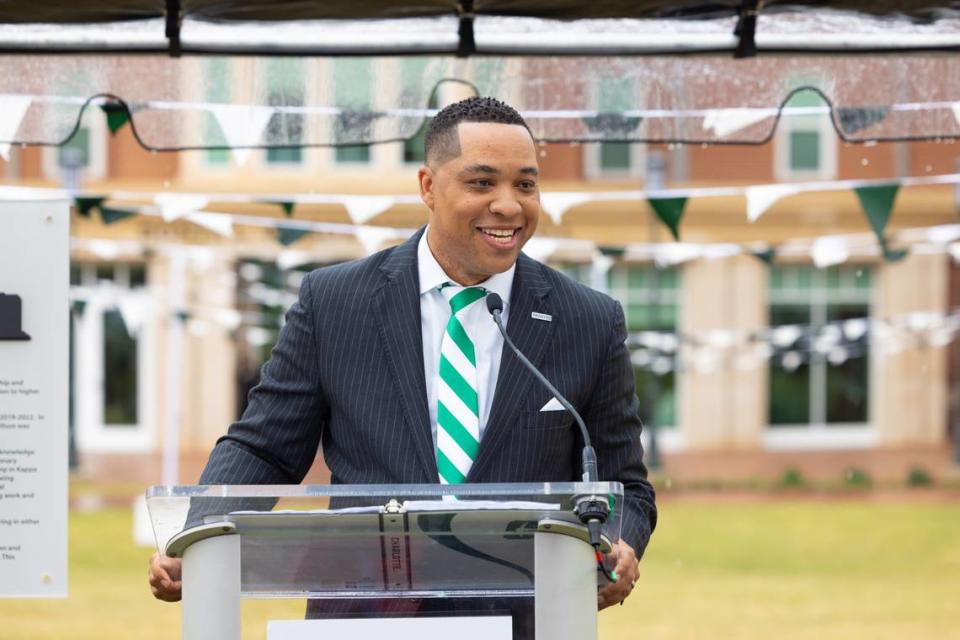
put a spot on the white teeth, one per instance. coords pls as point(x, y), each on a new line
point(498, 233)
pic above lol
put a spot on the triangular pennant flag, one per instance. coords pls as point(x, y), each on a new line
point(219, 223)
point(613, 252)
point(829, 250)
point(287, 207)
point(767, 256)
point(109, 215)
point(673, 253)
point(723, 122)
point(956, 111)
point(288, 235)
point(12, 110)
point(86, 205)
point(761, 198)
point(175, 205)
point(372, 238)
point(856, 119)
point(877, 203)
point(893, 255)
point(363, 208)
point(557, 203)
point(291, 258)
point(540, 249)
point(117, 115)
point(242, 126)
point(78, 307)
point(670, 211)
point(132, 310)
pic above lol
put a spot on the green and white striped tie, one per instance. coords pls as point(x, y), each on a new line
point(458, 410)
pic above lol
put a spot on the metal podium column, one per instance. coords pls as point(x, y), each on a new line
point(211, 589)
point(565, 571)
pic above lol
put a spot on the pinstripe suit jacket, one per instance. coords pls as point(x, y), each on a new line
point(347, 374)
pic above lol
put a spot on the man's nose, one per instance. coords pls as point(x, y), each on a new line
point(506, 204)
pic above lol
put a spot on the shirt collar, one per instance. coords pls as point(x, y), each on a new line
point(432, 274)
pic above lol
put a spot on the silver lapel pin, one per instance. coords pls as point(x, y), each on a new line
point(546, 317)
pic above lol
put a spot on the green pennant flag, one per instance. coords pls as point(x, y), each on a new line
point(669, 210)
point(877, 203)
point(86, 205)
point(767, 256)
point(613, 252)
point(287, 207)
point(117, 115)
point(893, 255)
point(109, 215)
point(78, 306)
point(288, 235)
point(182, 316)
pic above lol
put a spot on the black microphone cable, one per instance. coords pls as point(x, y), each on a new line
point(592, 510)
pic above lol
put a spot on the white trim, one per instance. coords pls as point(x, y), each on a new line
point(820, 437)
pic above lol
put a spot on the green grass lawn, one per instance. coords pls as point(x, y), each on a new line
point(802, 569)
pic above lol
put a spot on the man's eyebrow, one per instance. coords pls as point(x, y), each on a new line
point(480, 168)
point(485, 168)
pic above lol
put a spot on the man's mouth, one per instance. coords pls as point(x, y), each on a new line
point(500, 236)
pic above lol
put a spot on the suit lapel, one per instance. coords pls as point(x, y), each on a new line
point(397, 303)
point(532, 337)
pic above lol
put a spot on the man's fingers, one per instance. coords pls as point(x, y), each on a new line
point(165, 578)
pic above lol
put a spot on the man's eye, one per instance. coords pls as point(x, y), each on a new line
point(481, 183)
point(528, 185)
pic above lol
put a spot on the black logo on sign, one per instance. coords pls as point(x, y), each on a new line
point(10, 316)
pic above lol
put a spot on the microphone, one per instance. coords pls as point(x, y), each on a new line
point(592, 510)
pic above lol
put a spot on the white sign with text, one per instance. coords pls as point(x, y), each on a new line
point(34, 397)
point(442, 628)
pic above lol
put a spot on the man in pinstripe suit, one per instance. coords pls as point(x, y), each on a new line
point(359, 366)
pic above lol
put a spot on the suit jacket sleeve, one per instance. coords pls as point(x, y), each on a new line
point(615, 427)
point(276, 439)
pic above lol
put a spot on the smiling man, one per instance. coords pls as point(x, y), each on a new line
point(393, 366)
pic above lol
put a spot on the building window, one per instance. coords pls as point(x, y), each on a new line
point(613, 97)
point(827, 383)
point(412, 73)
point(83, 157)
point(353, 93)
point(806, 143)
point(217, 87)
point(285, 88)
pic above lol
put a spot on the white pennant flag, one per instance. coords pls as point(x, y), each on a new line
point(372, 238)
point(12, 110)
point(673, 253)
point(956, 111)
point(829, 250)
point(133, 311)
point(292, 258)
point(540, 249)
point(219, 223)
point(761, 198)
point(557, 203)
point(723, 122)
point(363, 208)
point(242, 126)
point(175, 205)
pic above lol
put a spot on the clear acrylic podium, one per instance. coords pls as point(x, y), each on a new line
point(348, 542)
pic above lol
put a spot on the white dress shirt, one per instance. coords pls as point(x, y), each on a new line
point(476, 320)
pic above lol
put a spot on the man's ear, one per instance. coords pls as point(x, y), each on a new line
point(425, 177)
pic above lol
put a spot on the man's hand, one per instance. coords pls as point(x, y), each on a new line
point(627, 573)
point(165, 578)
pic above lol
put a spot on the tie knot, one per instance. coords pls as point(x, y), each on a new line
point(461, 297)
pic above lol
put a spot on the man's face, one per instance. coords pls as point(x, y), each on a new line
point(484, 203)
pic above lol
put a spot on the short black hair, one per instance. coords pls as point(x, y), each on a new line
point(442, 142)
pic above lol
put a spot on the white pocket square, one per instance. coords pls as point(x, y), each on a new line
point(553, 405)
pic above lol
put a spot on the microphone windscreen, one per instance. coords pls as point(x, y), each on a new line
point(494, 302)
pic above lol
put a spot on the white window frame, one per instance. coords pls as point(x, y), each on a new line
point(591, 150)
point(95, 122)
point(383, 157)
point(828, 147)
point(818, 434)
point(93, 435)
point(310, 160)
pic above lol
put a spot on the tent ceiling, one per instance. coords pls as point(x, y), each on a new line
point(521, 27)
